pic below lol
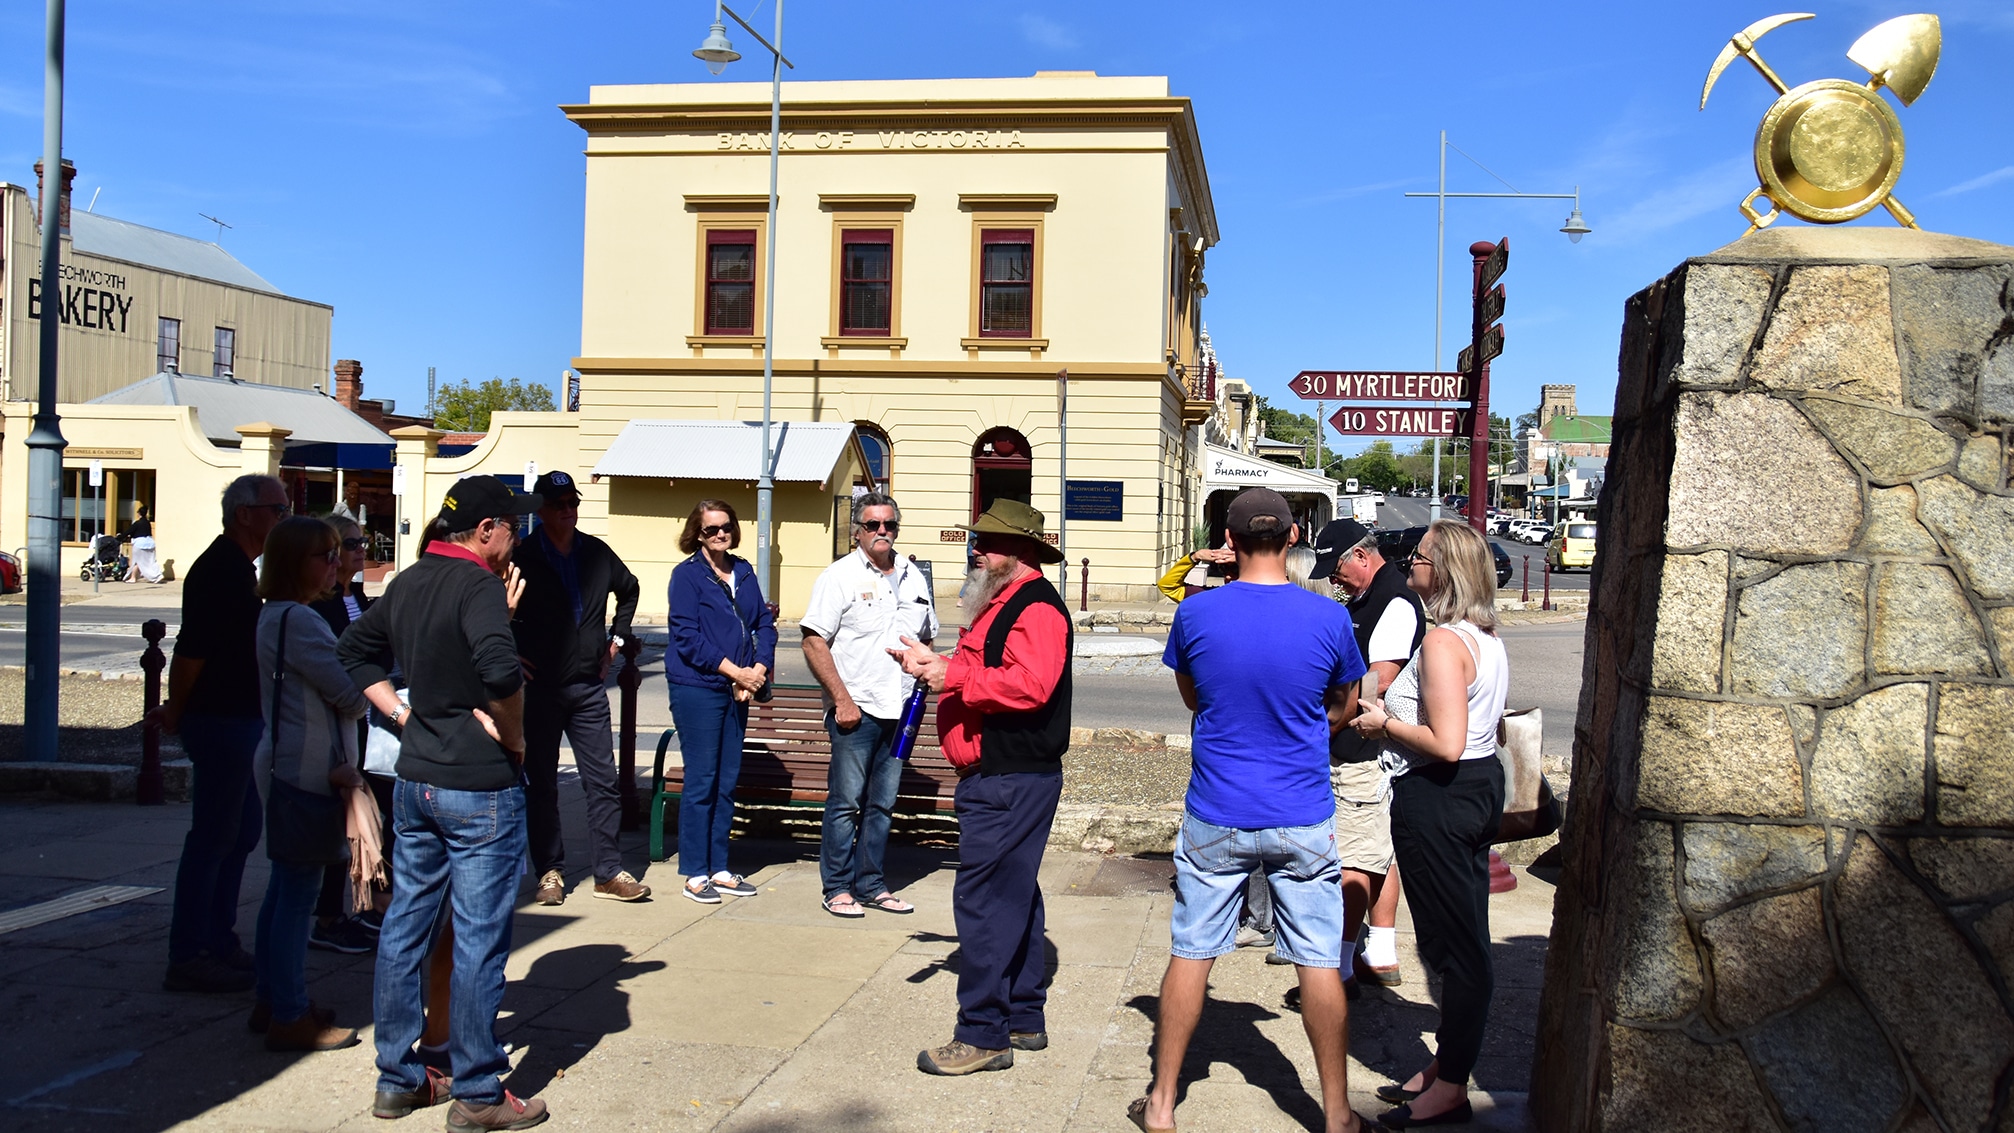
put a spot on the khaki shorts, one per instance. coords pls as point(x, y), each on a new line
point(1363, 816)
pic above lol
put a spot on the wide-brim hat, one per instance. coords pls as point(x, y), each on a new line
point(1012, 517)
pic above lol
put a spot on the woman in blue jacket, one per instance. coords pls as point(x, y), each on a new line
point(721, 655)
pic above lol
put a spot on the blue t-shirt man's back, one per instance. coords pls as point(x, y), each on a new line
point(1263, 659)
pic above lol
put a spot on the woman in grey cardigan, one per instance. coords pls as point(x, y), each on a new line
point(309, 742)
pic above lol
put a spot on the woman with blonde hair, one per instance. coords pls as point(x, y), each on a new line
point(1439, 721)
point(307, 751)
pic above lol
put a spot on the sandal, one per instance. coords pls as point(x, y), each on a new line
point(1137, 1114)
point(843, 905)
point(890, 903)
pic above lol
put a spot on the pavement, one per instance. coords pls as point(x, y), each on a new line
point(762, 1015)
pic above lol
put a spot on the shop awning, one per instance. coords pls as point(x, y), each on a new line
point(223, 404)
point(1229, 468)
point(805, 452)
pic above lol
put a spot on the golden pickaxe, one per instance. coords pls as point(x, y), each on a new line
point(1743, 44)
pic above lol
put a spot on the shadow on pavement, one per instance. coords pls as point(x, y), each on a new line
point(1229, 1033)
point(602, 1009)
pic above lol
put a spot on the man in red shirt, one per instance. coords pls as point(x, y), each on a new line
point(1003, 718)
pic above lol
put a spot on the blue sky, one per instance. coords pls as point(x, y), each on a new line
point(405, 161)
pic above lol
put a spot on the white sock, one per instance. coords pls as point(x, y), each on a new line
point(695, 882)
point(1381, 946)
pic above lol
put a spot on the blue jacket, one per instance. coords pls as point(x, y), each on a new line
point(708, 627)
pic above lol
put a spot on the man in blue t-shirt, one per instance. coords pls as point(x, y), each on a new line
point(1269, 669)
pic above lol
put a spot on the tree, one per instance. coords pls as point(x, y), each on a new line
point(1287, 425)
point(466, 408)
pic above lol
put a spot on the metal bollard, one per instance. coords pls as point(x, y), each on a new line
point(1547, 604)
point(627, 682)
point(1083, 586)
point(1527, 581)
point(148, 790)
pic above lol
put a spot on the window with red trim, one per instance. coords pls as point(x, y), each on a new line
point(730, 281)
point(1007, 283)
point(866, 280)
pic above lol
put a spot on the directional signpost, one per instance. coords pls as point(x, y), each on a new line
point(1366, 394)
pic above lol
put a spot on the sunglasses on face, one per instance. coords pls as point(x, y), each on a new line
point(889, 525)
point(281, 510)
point(712, 530)
point(1417, 559)
point(329, 556)
point(355, 543)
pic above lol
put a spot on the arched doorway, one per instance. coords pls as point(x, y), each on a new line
point(880, 455)
point(1001, 469)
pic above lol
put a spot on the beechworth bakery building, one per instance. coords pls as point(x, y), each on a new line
point(944, 248)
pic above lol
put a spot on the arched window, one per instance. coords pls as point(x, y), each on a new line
point(1002, 468)
point(880, 456)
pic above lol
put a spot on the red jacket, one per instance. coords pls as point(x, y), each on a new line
point(1036, 654)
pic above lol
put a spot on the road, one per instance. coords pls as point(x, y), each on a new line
point(1408, 512)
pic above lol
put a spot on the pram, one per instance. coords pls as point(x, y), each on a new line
point(106, 564)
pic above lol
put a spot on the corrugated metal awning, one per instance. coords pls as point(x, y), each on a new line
point(223, 404)
point(805, 452)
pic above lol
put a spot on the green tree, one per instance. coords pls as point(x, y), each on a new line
point(1376, 469)
point(1286, 425)
point(466, 408)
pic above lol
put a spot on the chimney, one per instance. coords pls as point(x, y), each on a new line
point(63, 204)
point(349, 382)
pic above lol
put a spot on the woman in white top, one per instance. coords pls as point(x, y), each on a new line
point(1439, 720)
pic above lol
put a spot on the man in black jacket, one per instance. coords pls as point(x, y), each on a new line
point(458, 805)
point(566, 645)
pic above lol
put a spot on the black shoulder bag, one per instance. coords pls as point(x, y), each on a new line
point(302, 827)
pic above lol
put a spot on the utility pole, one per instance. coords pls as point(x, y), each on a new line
point(45, 441)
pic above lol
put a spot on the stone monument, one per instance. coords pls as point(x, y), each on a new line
point(1787, 898)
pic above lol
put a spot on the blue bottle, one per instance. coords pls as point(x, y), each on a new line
point(912, 723)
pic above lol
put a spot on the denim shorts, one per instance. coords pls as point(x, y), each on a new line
point(1211, 865)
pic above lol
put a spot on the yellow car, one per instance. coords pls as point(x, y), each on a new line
point(1572, 546)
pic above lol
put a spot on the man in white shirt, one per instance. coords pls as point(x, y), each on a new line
point(862, 606)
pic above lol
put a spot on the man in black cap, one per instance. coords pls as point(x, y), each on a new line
point(1389, 624)
point(458, 806)
point(566, 644)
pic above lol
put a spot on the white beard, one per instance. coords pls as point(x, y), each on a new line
point(982, 585)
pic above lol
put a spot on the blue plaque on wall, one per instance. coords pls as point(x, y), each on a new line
point(1094, 499)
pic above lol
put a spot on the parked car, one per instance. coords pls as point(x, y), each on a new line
point(10, 574)
point(1572, 547)
point(1399, 545)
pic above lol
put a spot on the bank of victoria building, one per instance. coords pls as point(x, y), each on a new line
point(943, 249)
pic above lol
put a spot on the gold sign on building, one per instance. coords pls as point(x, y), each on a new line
point(1831, 150)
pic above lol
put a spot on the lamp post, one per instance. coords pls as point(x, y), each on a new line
point(45, 440)
point(716, 52)
point(1574, 228)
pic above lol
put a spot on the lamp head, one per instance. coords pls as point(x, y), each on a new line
point(1575, 227)
point(716, 52)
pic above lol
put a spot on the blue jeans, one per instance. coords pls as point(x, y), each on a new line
point(462, 848)
point(280, 948)
point(711, 725)
point(859, 802)
point(1212, 867)
point(224, 827)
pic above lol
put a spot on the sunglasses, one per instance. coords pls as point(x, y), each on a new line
point(713, 529)
point(1415, 559)
point(281, 510)
point(891, 526)
point(355, 543)
point(329, 556)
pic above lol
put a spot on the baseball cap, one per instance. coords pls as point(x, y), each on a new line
point(1259, 513)
point(556, 487)
point(476, 498)
point(1337, 537)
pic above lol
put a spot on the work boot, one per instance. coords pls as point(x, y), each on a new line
point(551, 888)
point(399, 1103)
point(963, 1058)
point(1028, 1040)
point(262, 1016)
point(309, 1033)
point(621, 887)
point(510, 1113)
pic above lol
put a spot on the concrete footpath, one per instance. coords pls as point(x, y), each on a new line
point(761, 1014)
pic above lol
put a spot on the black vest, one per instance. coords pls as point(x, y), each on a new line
point(1365, 610)
point(1016, 742)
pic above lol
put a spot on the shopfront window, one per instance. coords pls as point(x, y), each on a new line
point(89, 512)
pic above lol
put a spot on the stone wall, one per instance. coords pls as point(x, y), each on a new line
point(1787, 900)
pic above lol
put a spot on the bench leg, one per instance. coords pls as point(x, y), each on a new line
point(663, 813)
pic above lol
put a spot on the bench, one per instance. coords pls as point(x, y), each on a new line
point(786, 759)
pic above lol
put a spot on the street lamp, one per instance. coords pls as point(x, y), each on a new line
point(45, 441)
point(717, 53)
point(1575, 228)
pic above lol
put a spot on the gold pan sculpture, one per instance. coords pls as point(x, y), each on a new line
point(1831, 150)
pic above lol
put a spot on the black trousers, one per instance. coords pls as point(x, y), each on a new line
point(1443, 818)
point(580, 712)
point(1003, 960)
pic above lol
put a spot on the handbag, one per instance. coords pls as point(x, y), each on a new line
point(1530, 808)
point(381, 741)
point(302, 826)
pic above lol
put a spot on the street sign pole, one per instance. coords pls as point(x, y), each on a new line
point(45, 440)
point(1486, 342)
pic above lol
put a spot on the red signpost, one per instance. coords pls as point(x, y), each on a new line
point(1380, 421)
point(1487, 343)
point(1380, 385)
